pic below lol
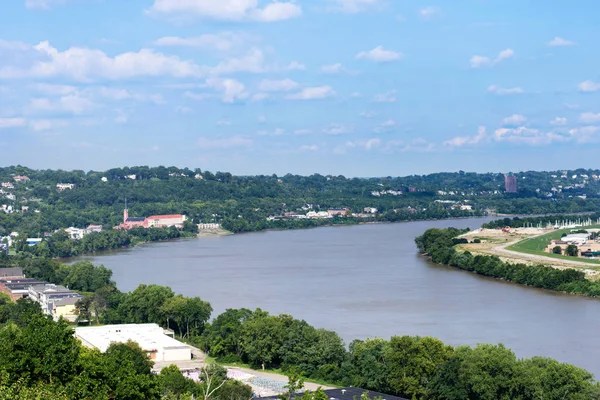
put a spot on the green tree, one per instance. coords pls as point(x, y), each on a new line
point(557, 250)
point(572, 250)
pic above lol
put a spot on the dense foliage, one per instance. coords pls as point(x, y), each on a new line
point(439, 245)
point(411, 367)
point(41, 359)
point(243, 203)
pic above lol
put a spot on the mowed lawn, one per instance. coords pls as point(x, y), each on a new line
point(537, 245)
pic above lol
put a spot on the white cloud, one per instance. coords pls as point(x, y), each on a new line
point(83, 64)
point(559, 42)
point(54, 90)
point(261, 119)
point(460, 141)
point(221, 41)
point(312, 147)
point(223, 143)
point(589, 86)
point(379, 54)
point(337, 129)
point(385, 126)
point(47, 124)
point(312, 93)
point(332, 69)
point(368, 114)
point(388, 97)
point(428, 12)
point(121, 118)
point(585, 134)
point(589, 118)
point(482, 61)
point(123, 94)
point(558, 121)
point(284, 85)
point(528, 136)
point(363, 144)
point(253, 61)
point(355, 6)
point(231, 89)
point(514, 120)
point(233, 10)
point(12, 122)
point(295, 66)
point(356, 95)
point(372, 143)
point(500, 90)
point(71, 103)
point(275, 132)
point(224, 122)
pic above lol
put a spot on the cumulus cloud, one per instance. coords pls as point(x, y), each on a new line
point(284, 85)
point(260, 97)
point(337, 129)
point(221, 41)
point(387, 97)
point(482, 61)
point(560, 42)
point(589, 86)
point(589, 118)
point(558, 121)
point(460, 141)
point(83, 64)
point(231, 89)
point(585, 134)
point(40, 125)
point(385, 126)
point(12, 122)
point(232, 10)
point(379, 54)
point(313, 93)
point(223, 143)
point(514, 120)
point(500, 90)
point(367, 114)
point(332, 69)
point(295, 66)
point(71, 103)
point(428, 12)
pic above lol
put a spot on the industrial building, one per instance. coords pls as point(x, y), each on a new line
point(18, 288)
point(151, 338)
point(153, 221)
point(11, 273)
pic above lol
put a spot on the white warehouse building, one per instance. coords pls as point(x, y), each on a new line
point(151, 338)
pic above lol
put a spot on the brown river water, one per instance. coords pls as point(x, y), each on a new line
point(366, 281)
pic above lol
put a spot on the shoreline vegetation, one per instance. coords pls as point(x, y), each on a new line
point(440, 246)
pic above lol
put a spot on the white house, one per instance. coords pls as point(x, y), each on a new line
point(64, 186)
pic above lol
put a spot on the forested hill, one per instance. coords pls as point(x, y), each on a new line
point(243, 203)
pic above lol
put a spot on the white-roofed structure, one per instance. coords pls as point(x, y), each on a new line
point(151, 338)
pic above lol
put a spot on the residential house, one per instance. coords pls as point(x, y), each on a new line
point(64, 186)
point(46, 295)
point(21, 178)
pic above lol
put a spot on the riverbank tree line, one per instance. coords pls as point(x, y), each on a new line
point(439, 245)
point(243, 203)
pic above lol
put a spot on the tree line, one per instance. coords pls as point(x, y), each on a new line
point(420, 368)
point(439, 245)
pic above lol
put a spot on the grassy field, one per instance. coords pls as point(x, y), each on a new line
point(537, 245)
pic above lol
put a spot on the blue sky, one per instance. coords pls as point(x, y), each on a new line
point(353, 87)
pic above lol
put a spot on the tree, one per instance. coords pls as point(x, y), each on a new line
point(294, 385)
point(572, 250)
point(557, 250)
point(412, 362)
point(144, 304)
point(223, 336)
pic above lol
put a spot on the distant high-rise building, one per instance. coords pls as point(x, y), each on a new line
point(510, 183)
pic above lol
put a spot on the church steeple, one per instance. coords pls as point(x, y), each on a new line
point(125, 212)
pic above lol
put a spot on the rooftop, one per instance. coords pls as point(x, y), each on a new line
point(150, 337)
point(168, 216)
point(4, 272)
point(136, 219)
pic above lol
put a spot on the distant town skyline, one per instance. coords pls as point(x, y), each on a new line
point(351, 87)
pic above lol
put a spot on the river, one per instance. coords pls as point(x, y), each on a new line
point(366, 281)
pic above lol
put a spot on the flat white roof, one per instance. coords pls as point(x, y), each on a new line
point(150, 337)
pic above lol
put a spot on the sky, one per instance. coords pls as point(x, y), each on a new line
point(352, 87)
